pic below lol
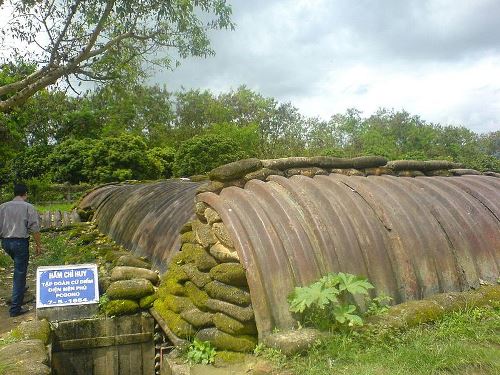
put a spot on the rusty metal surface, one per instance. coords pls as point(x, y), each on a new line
point(412, 237)
point(145, 218)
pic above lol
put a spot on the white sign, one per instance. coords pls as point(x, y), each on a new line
point(66, 285)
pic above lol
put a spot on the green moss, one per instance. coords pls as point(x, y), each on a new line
point(200, 279)
point(188, 237)
point(177, 325)
point(449, 301)
point(87, 238)
point(30, 330)
point(233, 326)
point(490, 293)
point(229, 273)
point(241, 344)
point(220, 291)
point(130, 289)
point(225, 357)
point(120, 307)
point(171, 287)
point(188, 227)
point(175, 273)
point(198, 318)
point(193, 253)
point(147, 302)
point(416, 312)
point(196, 295)
point(177, 304)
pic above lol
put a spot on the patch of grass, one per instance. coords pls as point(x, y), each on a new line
point(54, 207)
point(58, 249)
point(465, 342)
point(5, 260)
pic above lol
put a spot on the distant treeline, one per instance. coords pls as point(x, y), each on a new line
point(146, 132)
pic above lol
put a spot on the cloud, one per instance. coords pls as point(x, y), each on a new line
point(438, 59)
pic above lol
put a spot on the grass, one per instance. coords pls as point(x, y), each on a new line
point(465, 342)
point(64, 248)
point(54, 207)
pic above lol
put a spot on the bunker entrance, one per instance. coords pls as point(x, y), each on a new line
point(127, 345)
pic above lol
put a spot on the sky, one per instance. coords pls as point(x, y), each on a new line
point(439, 59)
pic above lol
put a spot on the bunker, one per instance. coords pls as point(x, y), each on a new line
point(236, 247)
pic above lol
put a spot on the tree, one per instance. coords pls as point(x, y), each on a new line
point(201, 154)
point(102, 40)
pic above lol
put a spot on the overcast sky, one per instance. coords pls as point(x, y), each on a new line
point(439, 59)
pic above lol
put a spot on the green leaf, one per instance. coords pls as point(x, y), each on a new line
point(343, 314)
point(314, 295)
point(353, 284)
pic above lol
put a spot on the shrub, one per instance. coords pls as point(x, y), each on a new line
point(325, 303)
point(201, 154)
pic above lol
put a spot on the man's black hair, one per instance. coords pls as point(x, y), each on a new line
point(20, 190)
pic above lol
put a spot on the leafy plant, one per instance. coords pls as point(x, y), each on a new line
point(378, 305)
point(325, 303)
point(201, 352)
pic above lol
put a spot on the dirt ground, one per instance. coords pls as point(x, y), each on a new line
point(6, 274)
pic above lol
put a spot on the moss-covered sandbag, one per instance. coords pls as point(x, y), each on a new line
point(34, 329)
point(211, 187)
point(228, 293)
point(200, 279)
point(188, 237)
point(175, 273)
point(198, 318)
point(220, 231)
point(308, 172)
point(128, 273)
point(295, 341)
point(203, 234)
point(233, 326)
point(147, 302)
point(177, 304)
point(225, 341)
point(229, 273)
point(224, 254)
point(198, 296)
point(132, 261)
point(171, 287)
point(421, 165)
point(243, 314)
point(121, 307)
point(410, 173)
point(177, 325)
point(262, 174)
point(464, 172)
point(235, 170)
point(212, 216)
point(379, 171)
point(193, 253)
point(413, 313)
point(130, 289)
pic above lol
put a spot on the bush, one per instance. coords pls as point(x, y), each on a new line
point(163, 160)
point(325, 303)
point(201, 154)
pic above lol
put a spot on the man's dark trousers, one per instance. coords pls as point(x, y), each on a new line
point(18, 249)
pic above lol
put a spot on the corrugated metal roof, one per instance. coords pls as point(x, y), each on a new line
point(145, 218)
point(412, 237)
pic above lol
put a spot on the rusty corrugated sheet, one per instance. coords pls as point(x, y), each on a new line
point(412, 237)
point(145, 218)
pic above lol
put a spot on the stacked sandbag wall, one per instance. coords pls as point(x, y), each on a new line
point(130, 286)
point(205, 293)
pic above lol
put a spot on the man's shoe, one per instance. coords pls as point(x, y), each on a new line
point(20, 312)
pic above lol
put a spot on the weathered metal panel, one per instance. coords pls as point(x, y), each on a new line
point(412, 237)
point(111, 346)
point(145, 218)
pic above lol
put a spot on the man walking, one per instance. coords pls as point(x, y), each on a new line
point(18, 219)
